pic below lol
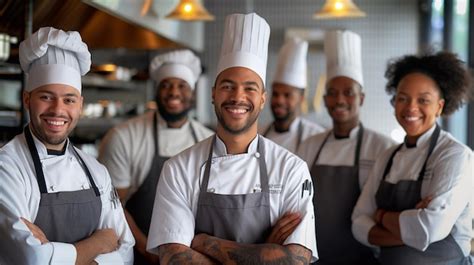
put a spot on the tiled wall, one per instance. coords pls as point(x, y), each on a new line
point(389, 30)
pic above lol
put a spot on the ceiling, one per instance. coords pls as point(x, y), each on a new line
point(98, 29)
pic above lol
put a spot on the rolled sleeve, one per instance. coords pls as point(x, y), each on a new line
point(63, 253)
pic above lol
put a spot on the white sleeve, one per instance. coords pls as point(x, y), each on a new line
point(113, 154)
point(17, 244)
point(172, 219)
point(450, 188)
point(298, 197)
point(112, 216)
point(364, 210)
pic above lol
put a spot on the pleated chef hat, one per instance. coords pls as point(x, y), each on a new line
point(291, 68)
point(343, 55)
point(53, 56)
point(181, 64)
point(245, 44)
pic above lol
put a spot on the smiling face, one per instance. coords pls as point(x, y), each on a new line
point(417, 104)
point(238, 98)
point(343, 100)
point(285, 101)
point(174, 98)
point(54, 112)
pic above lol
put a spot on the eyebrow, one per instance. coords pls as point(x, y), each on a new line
point(56, 95)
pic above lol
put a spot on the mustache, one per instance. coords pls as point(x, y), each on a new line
point(53, 115)
point(233, 103)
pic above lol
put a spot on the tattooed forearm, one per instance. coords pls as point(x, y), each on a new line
point(269, 254)
point(176, 254)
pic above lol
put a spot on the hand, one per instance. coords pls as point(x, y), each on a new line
point(424, 203)
point(36, 231)
point(378, 216)
point(106, 239)
point(283, 228)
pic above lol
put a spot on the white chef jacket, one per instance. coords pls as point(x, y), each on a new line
point(128, 149)
point(176, 201)
point(20, 197)
point(289, 139)
point(448, 177)
point(341, 152)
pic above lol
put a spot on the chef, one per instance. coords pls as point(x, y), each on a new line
point(134, 152)
point(341, 159)
point(290, 81)
point(219, 200)
point(57, 203)
point(416, 205)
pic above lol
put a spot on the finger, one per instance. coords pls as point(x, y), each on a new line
point(287, 230)
point(286, 219)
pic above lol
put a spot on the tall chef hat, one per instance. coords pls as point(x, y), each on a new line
point(343, 55)
point(181, 64)
point(53, 56)
point(291, 69)
point(245, 44)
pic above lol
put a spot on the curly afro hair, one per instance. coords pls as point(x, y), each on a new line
point(445, 68)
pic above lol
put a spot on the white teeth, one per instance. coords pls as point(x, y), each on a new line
point(56, 123)
point(412, 118)
point(237, 111)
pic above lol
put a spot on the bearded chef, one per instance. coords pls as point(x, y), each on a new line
point(236, 196)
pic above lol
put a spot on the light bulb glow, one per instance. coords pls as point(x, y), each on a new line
point(188, 8)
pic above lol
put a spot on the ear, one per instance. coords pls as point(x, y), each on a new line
point(263, 99)
point(213, 94)
point(362, 97)
point(440, 107)
point(26, 99)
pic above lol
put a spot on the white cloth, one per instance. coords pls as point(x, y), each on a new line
point(245, 44)
point(341, 152)
point(177, 196)
point(52, 56)
point(181, 64)
point(128, 149)
point(448, 179)
point(343, 55)
point(292, 65)
point(289, 139)
point(20, 197)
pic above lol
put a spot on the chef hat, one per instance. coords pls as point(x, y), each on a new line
point(181, 64)
point(291, 69)
point(53, 56)
point(245, 44)
point(343, 55)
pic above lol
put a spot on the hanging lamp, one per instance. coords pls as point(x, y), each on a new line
point(190, 10)
point(334, 9)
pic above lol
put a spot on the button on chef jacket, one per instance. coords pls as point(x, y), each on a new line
point(177, 196)
point(448, 179)
point(20, 197)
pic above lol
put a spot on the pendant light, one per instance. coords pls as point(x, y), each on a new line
point(334, 9)
point(190, 10)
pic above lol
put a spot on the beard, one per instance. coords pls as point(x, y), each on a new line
point(234, 129)
point(283, 117)
point(174, 116)
point(46, 138)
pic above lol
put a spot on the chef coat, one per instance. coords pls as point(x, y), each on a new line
point(20, 197)
point(341, 152)
point(128, 149)
point(289, 139)
point(177, 194)
point(448, 179)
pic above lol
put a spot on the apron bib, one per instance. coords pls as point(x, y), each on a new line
point(244, 218)
point(336, 193)
point(68, 216)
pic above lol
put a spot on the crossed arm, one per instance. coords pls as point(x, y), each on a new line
point(207, 249)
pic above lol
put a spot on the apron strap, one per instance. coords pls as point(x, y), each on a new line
point(360, 135)
point(433, 140)
point(261, 160)
point(36, 159)
point(87, 171)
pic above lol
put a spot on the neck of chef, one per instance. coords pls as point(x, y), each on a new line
point(343, 129)
point(176, 124)
point(282, 126)
point(237, 143)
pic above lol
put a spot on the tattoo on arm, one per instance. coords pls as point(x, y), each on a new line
point(176, 254)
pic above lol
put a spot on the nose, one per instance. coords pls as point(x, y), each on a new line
point(238, 94)
point(174, 90)
point(278, 99)
point(56, 105)
point(340, 98)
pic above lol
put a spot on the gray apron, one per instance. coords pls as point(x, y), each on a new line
point(140, 204)
point(300, 134)
point(405, 195)
point(336, 193)
point(68, 216)
point(243, 218)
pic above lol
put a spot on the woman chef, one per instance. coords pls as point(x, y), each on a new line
point(416, 204)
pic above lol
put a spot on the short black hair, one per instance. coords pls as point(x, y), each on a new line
point(445, 68)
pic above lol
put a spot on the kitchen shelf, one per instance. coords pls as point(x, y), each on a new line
point(101, 82)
